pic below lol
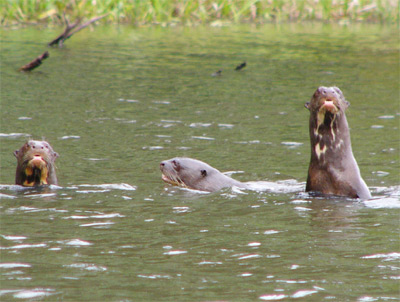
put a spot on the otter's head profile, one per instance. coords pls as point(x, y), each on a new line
point(35, 164)
point(185, 172)
point(194, 174)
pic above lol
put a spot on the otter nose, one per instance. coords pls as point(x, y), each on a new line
point(328, 93)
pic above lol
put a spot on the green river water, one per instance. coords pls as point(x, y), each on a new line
point(117, 100)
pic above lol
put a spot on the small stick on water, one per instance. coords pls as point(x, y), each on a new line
point(35, 63)
point(241, 66)
point(72, 29)
point(217, 73)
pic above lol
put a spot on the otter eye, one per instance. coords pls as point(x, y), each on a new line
point(33, 146)
point(175, 164)
point(337, 90)
point(203, 173)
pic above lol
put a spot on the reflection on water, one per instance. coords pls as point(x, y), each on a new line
point(117, 101)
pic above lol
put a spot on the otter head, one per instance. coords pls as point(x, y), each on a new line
point(327, 118)
point(326, 105)
point(35, 164)
point(186, 172)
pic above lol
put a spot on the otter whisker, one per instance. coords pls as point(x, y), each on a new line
point(174, 179)
point(181, 182)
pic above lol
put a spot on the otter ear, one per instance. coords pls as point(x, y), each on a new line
point(347, 104)
point(203, 173)
point(307, 105)
point(16, 153)
point(56, 154)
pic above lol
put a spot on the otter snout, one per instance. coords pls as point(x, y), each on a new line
point(328, 93)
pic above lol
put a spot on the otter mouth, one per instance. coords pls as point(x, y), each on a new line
point(329, 105)
point(327, 112)
point(173, 179)
point(36, 171)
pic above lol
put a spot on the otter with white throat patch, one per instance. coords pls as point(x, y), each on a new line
point(333, 169)
point(194, 174)
point(35, 164)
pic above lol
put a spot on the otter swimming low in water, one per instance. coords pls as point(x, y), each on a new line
point(35, 164)
point(333, 168)
point(194, 174)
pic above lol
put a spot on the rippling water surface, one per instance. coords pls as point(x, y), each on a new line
point(115, 101)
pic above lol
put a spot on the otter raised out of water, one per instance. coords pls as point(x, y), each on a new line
point(333, 169)
point(195, 174)
point(35, 164)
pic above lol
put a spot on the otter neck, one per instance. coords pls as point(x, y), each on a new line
point(330, 138)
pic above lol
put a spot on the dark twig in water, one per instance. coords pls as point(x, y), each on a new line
point(241, 66)
point(217, 73)
point(72, 29)
point(35, 63)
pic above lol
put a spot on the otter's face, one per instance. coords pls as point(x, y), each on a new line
point(328, 125)
point(326, 104)
point(35, 163)
point(184, 172)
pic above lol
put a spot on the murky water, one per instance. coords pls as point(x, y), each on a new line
point(116, 101)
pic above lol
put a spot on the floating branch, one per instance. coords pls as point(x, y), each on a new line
point(217, 73)
point(35, 63)
point(241, 66)
point(72, 29)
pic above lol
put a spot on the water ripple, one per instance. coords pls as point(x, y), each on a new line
point(204, 138)
point(12, 135)
point(96, 224)
point(387, 257)
point(209, 262)
point(76, 242)
point(250, 256)
point(87, 266)
point(121, 186)
point(272, 297)
point(154, 276)
point(23, 246)
point(383, 202)
point(34, 293)
point(270, 232)
point(303, 293)
point(13, 238)
point(176, 252)
point(14, 265)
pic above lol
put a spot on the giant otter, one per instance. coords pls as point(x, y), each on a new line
point(35, 164)
point(195, 174)
point(333, 169)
